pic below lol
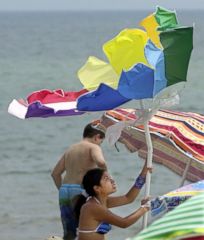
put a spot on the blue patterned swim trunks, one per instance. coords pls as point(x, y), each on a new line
point(67, 194)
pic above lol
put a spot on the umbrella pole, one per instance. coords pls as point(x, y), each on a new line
point(185, 172)
point(149, 164)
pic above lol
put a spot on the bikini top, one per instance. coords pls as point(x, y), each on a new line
point(102, 228)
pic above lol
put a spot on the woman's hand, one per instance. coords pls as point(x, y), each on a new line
point(145, 203)
point(146, 169)
point(150, 169)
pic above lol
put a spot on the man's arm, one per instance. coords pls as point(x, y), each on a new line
point(97, 156)
point(57, 172)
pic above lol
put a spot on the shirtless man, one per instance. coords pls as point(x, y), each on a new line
point(75, 162)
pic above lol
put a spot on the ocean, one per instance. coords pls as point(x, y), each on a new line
point(41, 50)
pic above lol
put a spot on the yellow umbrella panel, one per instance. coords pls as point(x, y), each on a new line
point(95, 71)
point(126, 49)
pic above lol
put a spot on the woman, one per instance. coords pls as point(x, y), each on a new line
point(95, 219)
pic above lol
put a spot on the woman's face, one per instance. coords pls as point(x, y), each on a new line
point(108, 184)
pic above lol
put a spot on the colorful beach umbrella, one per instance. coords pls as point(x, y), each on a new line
point(137, 69)
point(160, 69)
point(141, 65)
point(184, 222)
point(169, 201)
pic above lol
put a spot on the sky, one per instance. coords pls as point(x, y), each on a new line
point(50, 5)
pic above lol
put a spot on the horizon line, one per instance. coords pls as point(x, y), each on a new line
point(91, 10)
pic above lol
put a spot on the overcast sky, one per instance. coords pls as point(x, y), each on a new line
point(98, 4)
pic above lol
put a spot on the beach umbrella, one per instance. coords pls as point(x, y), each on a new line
point(151, 76)
point(177, 139)
point(135, 62)
point(130, 47)
point(184, 222)
point(169, 201)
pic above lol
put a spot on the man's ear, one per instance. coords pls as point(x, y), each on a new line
point(96, 137)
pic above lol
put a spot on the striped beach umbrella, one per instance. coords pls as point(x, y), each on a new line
point(184, 222)
point(177, 139)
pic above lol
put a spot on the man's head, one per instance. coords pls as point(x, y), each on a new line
point(91, 131)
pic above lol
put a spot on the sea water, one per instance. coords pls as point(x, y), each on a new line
point(41, 50)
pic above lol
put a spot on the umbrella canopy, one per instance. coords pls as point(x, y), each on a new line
point(137, 68)
point(177, 138)
point(188, 190)
point(184, 222)
point(144, 67)
point(174, 198)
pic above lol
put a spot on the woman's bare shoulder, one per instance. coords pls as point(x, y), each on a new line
point(90, 207)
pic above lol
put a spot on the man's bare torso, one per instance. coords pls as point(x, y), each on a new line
point(78, 161)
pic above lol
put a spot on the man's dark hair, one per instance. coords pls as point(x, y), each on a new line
point(91, 130)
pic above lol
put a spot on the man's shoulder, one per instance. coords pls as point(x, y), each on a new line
point(86, 144)
point(91, 145)
point(83, 145)
point(77, 147)
point(73, 146)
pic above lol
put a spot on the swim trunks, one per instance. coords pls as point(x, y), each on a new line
point(67, 194)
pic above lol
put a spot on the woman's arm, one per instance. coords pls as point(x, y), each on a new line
point(132, 193)
point(104, 215)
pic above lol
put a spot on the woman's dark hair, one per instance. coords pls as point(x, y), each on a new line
point(91, 130)
point(91, 178)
